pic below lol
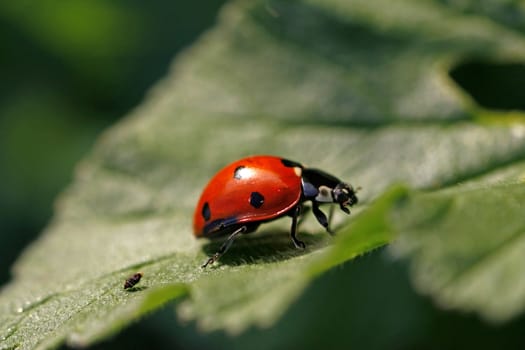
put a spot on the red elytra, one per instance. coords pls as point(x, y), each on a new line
point(259, 189)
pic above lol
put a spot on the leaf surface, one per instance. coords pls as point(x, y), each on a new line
point(348, 87)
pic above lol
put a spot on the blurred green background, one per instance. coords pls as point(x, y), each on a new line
point(71, 68)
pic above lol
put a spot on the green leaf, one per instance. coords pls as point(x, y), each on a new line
point(466, 244)
point(349, 87)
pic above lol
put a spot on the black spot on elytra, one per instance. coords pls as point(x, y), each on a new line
point(256, 200)
point(206, 213)
point(237, 172)
point(290, 163)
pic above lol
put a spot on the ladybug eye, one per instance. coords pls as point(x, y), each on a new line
point(341, 196)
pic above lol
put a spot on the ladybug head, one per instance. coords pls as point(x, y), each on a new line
point(321, 187)
point(344, 195)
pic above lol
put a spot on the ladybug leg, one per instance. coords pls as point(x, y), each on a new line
point(298, 244)
point(225, 246)
point(321, 217)
point(330, 216)
point(302, 215)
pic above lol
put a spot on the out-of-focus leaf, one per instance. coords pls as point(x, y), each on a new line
point(466, 244)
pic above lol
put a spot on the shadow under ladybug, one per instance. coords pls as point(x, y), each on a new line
point(265, 246)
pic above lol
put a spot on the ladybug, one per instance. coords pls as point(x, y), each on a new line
point(258, 189)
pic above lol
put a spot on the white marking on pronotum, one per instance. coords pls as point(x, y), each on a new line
point(325, 194)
